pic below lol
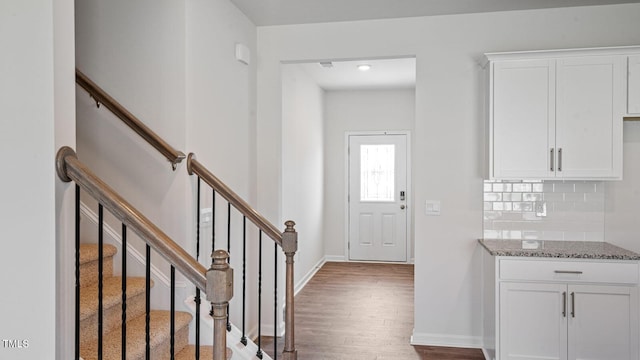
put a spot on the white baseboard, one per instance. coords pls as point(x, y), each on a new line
point(488, 354)
point(449, 340)
point(267, 329)
point(240, 351)
point(305, 279)
point(334, 258)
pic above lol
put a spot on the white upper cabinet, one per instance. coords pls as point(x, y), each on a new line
point(589, 111)
point(633, 96)
point(556, 115)
point(523, 118)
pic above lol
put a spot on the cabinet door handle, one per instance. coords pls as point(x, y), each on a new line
point(567, 272)
point(573, 304)
point(564, 304)
point(560, 159)
point(551, 162)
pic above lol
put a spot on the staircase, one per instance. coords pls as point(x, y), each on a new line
point(129, 323)
point(135, 316)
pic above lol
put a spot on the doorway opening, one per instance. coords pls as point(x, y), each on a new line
point(322, 101)
point(378, 198)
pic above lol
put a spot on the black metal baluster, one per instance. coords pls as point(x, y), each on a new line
point(124, 292)
point(229, 258)
point(213, 221)
point(243, 340)
point(100, 273)
point(229, 230)
point(148, 304)
point(173, 314)
point(198, 221)
point(77, 240)
point(259, 353)
point(275, 303)
point(197, 298)
point(213, 232)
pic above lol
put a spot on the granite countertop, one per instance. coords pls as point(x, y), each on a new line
point(558, 249)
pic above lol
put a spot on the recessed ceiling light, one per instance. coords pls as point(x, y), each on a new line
point(364, 67)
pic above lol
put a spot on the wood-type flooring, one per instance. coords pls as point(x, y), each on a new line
point(361, 311)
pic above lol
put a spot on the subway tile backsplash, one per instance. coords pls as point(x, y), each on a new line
point(546, 210)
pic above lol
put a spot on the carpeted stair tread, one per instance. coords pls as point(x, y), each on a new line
point(111, 294)
point(159, 334)
point(89, 252)
point(89, 263)
point(206, 352)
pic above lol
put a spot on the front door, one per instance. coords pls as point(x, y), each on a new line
point(378, 197)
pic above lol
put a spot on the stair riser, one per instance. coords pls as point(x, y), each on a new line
point(112, 318)
point(159, 352)
point(162, 351)
point(89, 271)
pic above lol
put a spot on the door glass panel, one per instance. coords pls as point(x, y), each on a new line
point(377, 173)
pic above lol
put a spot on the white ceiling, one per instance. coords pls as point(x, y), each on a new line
point(398, 73)
point(384, 74)
point(281, 12)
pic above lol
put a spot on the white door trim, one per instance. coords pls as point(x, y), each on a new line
point(410, 242)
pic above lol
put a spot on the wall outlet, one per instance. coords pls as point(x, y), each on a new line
point(206, 216)
point(541, 208)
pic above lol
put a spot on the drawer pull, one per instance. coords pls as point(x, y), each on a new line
point(568, 272)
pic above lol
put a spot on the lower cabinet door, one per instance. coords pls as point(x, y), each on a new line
point(601, 322)
point(533, 321)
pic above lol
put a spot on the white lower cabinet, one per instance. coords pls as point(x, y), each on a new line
point(531, 321)
point(599, 323)
point(570, 312)
point(559, 321)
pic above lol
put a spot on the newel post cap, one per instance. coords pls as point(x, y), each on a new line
point(219, 279)
point(290, 238)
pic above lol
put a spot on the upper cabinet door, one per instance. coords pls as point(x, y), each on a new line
point(589, 110)
point(633, 94)
point(523, 117)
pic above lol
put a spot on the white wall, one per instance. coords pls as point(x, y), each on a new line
point(622, 200)
point(356, 110)
point(135, 52)
point(448, 137)
point(36, 116)
point(220, 128)
point(172, 65)
point(303, 165)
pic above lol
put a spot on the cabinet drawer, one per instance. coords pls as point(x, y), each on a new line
point(570, 271)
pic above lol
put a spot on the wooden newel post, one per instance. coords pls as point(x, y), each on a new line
point(219, 293)
point(289, 246)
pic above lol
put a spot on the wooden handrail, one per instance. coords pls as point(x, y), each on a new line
point(69, 168)
point(195, 167)
point(101, 97)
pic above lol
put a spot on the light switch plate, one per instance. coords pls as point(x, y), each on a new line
point(433, 207)
point(206, 216)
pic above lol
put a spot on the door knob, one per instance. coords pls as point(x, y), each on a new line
point(402, 207)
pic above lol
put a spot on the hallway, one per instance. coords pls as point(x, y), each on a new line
point(362, 311)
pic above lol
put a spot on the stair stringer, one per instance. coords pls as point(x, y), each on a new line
point(160, 292)
point(240, 351)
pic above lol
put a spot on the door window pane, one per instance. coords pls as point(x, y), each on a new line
point(377, 173)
